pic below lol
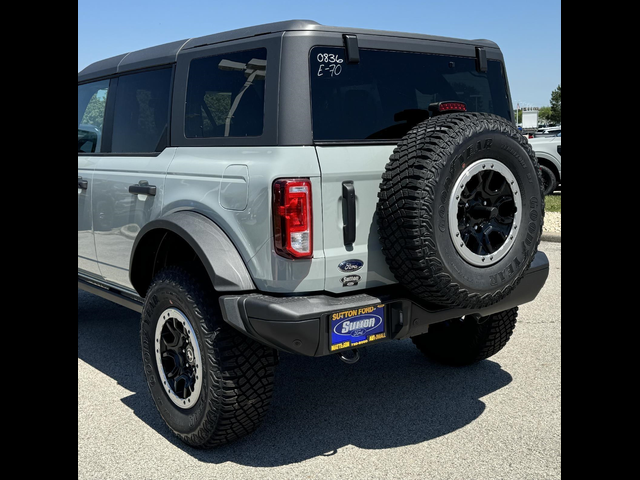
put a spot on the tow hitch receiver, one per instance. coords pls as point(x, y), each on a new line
point(348, 359)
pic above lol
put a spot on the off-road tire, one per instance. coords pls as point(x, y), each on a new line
point(549, 182)
point(413, 208)
point(237, 372)
point(465, 341)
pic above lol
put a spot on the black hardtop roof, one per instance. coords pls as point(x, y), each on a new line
point(168, 52)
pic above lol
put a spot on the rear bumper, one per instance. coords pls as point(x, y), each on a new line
point(301, 324)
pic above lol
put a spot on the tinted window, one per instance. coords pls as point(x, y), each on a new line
point(225, 95)
point(92, 99)
point(141, 113)
point(388, 93)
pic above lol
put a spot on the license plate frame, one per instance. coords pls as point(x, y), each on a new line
point(356, 327)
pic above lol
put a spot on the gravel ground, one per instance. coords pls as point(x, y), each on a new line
point(552, 222)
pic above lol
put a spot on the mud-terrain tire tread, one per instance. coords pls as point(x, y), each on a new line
point(406, 202)
point(241, 370)
point(463, 342)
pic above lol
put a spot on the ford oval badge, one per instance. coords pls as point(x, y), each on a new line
point(351, 265)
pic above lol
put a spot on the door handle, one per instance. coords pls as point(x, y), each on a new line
point(349, 213)
point(143, 188)
point(83, 184)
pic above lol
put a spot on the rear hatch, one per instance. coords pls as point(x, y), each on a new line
point(360, 111)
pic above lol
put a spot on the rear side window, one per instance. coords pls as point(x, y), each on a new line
point(225, 95)
point(141, 112)
point(92, 100)
point(387, 93)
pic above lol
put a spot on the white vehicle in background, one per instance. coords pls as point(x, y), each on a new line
point(547, 151)
point(529, 121)
point(548, 131)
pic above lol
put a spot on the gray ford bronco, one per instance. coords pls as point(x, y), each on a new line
point(308, 189)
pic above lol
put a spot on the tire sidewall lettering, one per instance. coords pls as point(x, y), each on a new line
point(510, 153)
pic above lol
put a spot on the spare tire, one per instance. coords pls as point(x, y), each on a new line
point(460, 209)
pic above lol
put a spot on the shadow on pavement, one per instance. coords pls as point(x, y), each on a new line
point(392, 397)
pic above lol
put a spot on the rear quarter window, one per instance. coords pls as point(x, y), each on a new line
point(225, 95)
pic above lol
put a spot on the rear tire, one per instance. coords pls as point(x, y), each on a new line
point(549, 181)
point(466, 340)
point(210, 383)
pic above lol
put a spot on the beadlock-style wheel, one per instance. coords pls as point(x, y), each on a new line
point(178, 358)
point(210, 383)
point(484, 212)
point(460, 209)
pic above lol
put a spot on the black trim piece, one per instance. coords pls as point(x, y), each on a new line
point(349, 212)
point(120, 154)
point(353, 143)
point(351, 44)
point(110, 294)
point(481, 60)
point(109, 113)
point(128, 72)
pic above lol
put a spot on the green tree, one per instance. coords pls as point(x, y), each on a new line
point(544, 114)
point(556, 104)
point(94, 114)
point(519, 119)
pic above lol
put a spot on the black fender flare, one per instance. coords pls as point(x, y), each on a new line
point(223, 263)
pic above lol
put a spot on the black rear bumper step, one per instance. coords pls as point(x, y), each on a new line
point(301, 324)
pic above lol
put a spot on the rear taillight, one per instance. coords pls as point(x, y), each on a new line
point(292, 218)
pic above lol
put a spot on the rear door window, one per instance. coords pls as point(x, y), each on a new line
point(388, 92)
point(141, 113)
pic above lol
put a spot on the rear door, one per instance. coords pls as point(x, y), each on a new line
point(360, 111)
point(128, 181)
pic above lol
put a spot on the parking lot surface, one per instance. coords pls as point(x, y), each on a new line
point(394, 414)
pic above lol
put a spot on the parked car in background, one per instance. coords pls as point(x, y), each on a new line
point(547, 151)
point(548, 132)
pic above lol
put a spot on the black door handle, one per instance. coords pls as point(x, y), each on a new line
point(349, 212)
point(83, 184)
point(142, 187)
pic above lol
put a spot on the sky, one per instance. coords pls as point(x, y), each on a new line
point(528, 33)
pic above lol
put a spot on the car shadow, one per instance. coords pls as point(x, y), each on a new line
point(392, 397)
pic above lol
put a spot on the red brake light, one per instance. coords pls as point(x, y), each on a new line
point(445, 107)
point(457, 106)
point(292, 218)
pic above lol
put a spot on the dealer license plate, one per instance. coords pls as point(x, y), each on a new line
point(356, 327)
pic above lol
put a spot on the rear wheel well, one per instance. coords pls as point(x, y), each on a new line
point(159, 249)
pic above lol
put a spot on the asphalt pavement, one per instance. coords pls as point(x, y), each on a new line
point(394, 414)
